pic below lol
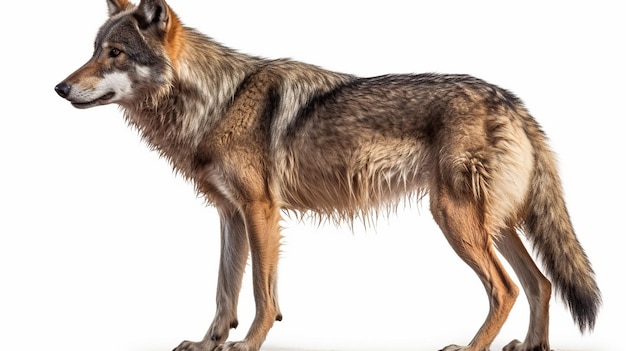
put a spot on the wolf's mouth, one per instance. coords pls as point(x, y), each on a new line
point(99, 101)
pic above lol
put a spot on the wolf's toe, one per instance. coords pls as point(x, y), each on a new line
point(195, 346)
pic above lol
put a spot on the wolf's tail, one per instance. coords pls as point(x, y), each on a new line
point(550, 231)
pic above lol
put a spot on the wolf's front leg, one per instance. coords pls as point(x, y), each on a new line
point(234, 254)
point(264, 237)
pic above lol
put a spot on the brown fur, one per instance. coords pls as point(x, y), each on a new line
point(261, 136)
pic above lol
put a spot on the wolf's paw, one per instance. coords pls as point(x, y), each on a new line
point(516, 345)
point(237, 346)
point(460, 348)
point(454, 348)
point(195, 346)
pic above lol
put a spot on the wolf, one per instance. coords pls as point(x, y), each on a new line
point(260, 137)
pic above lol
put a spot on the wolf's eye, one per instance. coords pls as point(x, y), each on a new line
point(115, 52)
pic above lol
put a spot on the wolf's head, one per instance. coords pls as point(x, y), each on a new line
point(132, 56)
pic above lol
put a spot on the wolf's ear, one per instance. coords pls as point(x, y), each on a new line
point(153, 12)
point(117, 6)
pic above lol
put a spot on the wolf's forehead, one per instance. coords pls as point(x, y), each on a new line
point(124, 31)
point(119, 30)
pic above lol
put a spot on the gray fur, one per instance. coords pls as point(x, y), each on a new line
point(259, 136)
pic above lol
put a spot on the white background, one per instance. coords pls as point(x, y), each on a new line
point(102, 247)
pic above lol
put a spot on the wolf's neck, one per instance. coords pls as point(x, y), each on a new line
point(195, 94)
point(199, 88)
point(207, 77)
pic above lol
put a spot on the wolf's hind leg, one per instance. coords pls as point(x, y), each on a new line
point(234, 255)
point(460, 220)
point(536, 287)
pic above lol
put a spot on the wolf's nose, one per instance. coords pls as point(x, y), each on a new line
point(62, 89)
